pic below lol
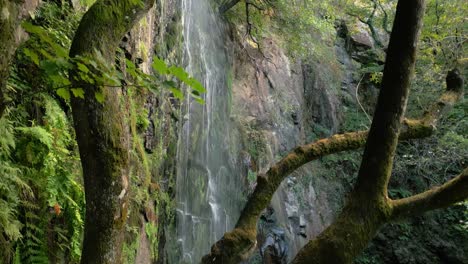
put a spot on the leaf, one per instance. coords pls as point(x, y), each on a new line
point(159, 65)
point(177, 93)
point(78, 92)
point(50, 67)
point(30, 28)
point(32, 55)
point(64, 93)
point(196, 85)
point(99, 96)
point(82, 67)
point(130, 64)
point(198, 99)
point(179, 73)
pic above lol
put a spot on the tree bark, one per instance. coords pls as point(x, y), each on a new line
point(102, 130)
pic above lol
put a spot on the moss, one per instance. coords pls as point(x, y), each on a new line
point(233, 247)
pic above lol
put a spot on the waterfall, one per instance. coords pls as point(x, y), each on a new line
point(208, 192)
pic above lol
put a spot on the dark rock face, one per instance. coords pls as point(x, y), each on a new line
point(274, 250)
point(276, 103)
point(320, 101)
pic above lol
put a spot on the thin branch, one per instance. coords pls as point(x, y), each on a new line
point(359, 102)
point(453, 191)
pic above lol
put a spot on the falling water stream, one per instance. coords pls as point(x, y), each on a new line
point(208, 190)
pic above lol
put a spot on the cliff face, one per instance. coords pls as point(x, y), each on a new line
point(152, 222)
point(279, 104)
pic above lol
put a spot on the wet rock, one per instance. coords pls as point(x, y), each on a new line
point(274, 249)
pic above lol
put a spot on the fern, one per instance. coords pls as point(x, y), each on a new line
point(11, 186)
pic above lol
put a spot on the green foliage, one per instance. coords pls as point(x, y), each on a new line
point(56, 65)
point(309, 26)
point(48, 159)
point(12, 188)
point(151, 230)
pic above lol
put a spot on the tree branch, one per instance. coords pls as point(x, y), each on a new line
point(453, 191)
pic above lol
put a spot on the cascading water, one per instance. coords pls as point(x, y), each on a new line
point(208, 194)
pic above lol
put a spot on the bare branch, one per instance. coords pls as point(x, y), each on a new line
point(453, 191)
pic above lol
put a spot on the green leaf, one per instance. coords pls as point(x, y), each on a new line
point(64, 93)
point(197, 98)
point(179, 73)
point(30, 28)
point(78, 92)
point(82, 67)
point(50, 67)
point(196, 85)
point(99, 96)
point(130, 64)
point(177, 93)
point(159, 65)
point(32, 55)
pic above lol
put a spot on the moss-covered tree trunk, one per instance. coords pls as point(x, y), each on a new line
point(102, 130)
point(368, 206)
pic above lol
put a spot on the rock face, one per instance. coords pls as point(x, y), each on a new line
point(158, 33)
point(277, 103)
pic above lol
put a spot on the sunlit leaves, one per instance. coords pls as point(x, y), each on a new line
point(64, 93)
point(32, 55)
point(78, 92)
point(159, 65)
point(99, 96)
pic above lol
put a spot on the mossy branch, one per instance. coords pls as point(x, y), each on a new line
point(453, 191)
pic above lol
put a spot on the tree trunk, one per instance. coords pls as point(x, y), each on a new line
point(102, 130)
